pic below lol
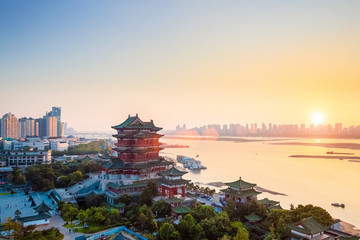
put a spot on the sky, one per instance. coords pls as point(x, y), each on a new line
point(193, 62)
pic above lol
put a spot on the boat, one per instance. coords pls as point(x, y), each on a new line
point(338, 205)
point(190, 163)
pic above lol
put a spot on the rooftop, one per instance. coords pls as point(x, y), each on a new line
point(42, 208)
point(135, 123)
point(240, 184)
point(307, 226)
point(173, 172)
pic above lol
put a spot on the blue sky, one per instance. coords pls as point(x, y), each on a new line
point(193, 62)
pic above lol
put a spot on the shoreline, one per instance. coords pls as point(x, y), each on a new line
point(351, 146)
point(349, 228)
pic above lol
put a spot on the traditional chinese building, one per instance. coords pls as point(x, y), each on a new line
point(43, 216)
point(137, 150)
point(240, 191)
point(137, 158)
point(173, 184)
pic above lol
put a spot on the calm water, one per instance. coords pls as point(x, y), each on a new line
point(305, 181)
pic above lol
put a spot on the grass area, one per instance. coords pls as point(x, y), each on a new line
point(5, 193)
point(92, 227)
point(69, 225)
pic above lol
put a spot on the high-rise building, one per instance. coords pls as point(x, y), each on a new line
point(26, 127)
point(51, 126)
point(56, 112)
point(9, 126)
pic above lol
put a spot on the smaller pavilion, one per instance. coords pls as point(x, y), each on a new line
point(240, 191)
point(173, 184)
point(43, 216)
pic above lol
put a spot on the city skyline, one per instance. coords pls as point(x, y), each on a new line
point(193, 62)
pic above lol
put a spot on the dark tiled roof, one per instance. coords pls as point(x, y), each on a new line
point(34, 217)
point(274, 207)
point(173, 172)
point(174, 182)
point(253, 218)
point(120, 164)
point(138, 134)
point(241, 194)
point(138, 149)
point(42, 208)
point(181, 209)
point(310, 226)
point(135, 185)
point(136, 123)
point(240, 184)
point(268, 202)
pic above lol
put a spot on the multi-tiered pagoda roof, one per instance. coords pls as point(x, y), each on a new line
point(136, 123)
point(138, 148)
point(241, 189)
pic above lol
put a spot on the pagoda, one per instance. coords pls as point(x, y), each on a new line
point(173, 184)
point(137, 150)
point(240, 191)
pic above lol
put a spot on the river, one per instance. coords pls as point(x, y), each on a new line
point(314, 181)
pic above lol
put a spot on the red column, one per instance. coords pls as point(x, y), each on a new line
point(183, 191)
point(163, 191)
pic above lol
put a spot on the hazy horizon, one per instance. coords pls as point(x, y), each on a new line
point(181, 62)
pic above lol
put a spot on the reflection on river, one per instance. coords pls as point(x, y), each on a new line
point(304, 180)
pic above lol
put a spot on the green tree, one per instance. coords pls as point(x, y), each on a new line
point(98, 217)
point(168, 232)
point(149, 192)
point(202, 212)
point(242, 234)
point(161, 208)
point(17, 177)
point(126, 199)
point(272, 235)
point(83, 217)
point(318, 213)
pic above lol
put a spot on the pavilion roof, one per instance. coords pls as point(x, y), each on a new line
point(119, 186)
point(120, 164)
point(240, 184)
point(253, 218)
point(174, 181)
point(138, 134)
point(138, 149)
point(307, 226)
point(135, 122)
point(173, 171)
point(42, 208)
point(181, 209)
point(268, 202)
point(243, 193)
point(274, 207)
point(40, 216)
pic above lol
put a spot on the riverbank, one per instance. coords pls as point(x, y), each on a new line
point(349, 228)
point(352, 146)
point(326, 157)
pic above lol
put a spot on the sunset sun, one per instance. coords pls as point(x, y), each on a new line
point(317, 118)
